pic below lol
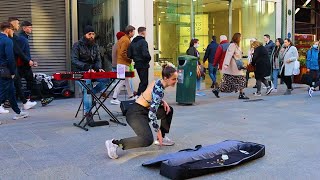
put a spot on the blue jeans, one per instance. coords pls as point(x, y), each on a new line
point(198, 84)
point(7, 91)
point(87, 98)
point(275, 74)
point(212, 72)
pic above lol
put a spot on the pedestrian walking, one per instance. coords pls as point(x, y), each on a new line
point(233, 79)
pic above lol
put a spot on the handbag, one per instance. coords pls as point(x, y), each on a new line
point(251, 68)
point(239, 63)
point(5, 73)
point(200, 71)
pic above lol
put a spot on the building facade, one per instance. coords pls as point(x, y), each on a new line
point(170, 24)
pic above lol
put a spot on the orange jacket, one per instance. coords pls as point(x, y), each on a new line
point(122, 50)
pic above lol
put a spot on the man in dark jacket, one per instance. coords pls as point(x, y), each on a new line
point(86, 57)
point(24, 68)
point(8, 69)
point(209, 55)
point(139, 52)
point(269, 44)
point(18, 53)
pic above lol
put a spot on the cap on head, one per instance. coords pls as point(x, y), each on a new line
point(88, 29)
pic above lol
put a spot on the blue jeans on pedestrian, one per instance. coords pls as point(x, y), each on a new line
point(7, 92)
point(198, 83)
point(275, 74)
point(87, 97)
point(212, 72)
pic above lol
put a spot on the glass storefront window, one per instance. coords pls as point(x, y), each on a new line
point(173, 27)
point(177, 21)
point(104, 16)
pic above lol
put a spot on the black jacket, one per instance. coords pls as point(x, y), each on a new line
point(210, 52)
point(18, 51)
point(261, 61)
point(139, 52)
point(192, 51)
point(85, 56)
point(270, 47)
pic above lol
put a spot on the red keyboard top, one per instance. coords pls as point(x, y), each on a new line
point(89, 75)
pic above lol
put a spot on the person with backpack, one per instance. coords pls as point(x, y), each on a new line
point(220, 54)
point(313, 66)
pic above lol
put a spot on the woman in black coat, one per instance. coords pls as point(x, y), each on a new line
point(261, 62)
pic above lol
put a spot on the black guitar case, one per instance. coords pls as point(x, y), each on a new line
point(189, 163)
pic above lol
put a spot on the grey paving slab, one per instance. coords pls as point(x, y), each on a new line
point(47, 146)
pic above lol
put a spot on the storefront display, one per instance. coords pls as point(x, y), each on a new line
point(303, 42)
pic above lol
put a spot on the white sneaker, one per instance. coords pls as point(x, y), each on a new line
point(29, 105)
point(165, 142)
point(133, 98)
point(274, 91)
point(115, 102)
point(21, 115)
point(310, 91)
point(257, 94)
point(2, 110)
point(112, 149)
point(269, 90)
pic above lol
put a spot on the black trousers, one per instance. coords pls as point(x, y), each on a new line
point(32, 85)
point(137, 118)
point(287, 79)
point(144, 78)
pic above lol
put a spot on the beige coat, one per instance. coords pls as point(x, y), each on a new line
point(234, 52)
point(291, 54)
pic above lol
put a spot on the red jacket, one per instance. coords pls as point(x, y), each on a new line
point(220, 54)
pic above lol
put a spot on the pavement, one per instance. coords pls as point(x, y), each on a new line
point(47, 146)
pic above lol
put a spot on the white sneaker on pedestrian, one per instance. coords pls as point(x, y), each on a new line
point(115, 102)
point(310, 91)
point(274, 91)
point(165, 142)
point(2, 110)
point(257, 94)
point(269, 90)
point(29, 105)
point(21, 115)
point(133, 98)
point(112, 149)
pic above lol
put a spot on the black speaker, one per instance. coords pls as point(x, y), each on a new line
point(124, 106)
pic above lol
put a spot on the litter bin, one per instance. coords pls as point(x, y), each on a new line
point(186, 86)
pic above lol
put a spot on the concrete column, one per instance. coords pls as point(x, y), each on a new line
point(290, 13)
point(278, 19)
point(141, 14)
